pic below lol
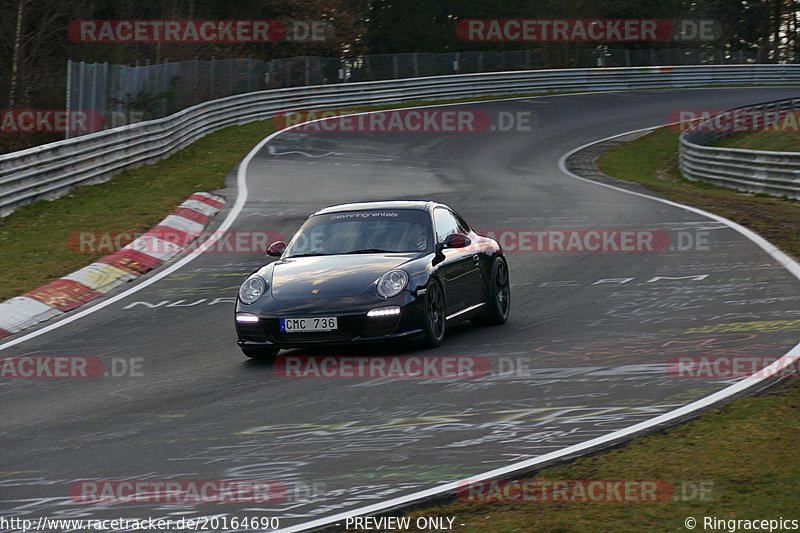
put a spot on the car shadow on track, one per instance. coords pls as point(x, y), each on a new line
point(459, 337)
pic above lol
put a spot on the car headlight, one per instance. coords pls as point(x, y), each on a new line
point(252, 289)
point(392, 283)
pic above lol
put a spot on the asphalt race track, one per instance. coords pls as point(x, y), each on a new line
point(584, 353)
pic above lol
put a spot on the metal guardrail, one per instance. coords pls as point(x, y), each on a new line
point(775, 173)
point(50, 170)
point(122, 92)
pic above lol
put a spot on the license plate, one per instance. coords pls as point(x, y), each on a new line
point(297, 325)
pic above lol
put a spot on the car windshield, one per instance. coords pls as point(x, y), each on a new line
point(363, 232)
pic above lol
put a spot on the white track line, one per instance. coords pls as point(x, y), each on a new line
point(785, 260)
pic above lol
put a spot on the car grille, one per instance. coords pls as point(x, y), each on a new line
point(288, 338)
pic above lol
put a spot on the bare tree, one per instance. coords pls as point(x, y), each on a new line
point(36, 49)
point(12, 92)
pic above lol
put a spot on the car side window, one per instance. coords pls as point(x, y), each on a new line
point(463, 227)
point(445, 223)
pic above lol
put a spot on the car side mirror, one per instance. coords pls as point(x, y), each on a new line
point(276, 249)
point(456, 240)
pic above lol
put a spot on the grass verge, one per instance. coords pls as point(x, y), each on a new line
point(773, 141)
point(738, 462)
point(780, 134)
point(35, 236)
point(652, 160)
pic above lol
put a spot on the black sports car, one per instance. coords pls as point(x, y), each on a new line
point(372, 271)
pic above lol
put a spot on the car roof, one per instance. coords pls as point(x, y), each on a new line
point(422, 205)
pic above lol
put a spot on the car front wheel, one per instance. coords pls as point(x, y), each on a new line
point(434, 315)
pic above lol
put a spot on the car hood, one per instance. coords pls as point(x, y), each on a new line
point(334, 276)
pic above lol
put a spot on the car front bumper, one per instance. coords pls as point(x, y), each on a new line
point(353, 323)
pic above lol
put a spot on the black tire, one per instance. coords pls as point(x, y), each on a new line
point(264, 353)
point(435, 315)
point(499, 301)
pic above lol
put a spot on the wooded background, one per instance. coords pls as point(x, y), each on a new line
point(35, 46)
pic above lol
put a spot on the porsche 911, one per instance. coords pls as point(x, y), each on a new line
point(373, 271)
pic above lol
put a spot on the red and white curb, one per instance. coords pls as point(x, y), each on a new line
point(161, 243)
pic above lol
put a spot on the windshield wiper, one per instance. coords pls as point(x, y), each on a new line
point(371, 251)
point(307, 254)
